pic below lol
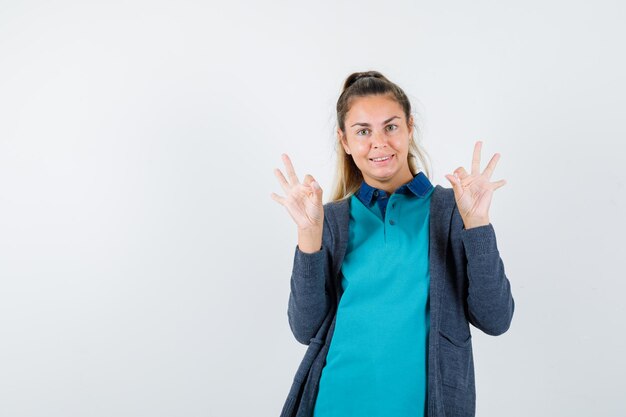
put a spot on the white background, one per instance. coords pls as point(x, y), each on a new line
point(144, 269)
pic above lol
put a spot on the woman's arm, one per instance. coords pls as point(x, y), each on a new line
point(309, 301)
point(490, 302)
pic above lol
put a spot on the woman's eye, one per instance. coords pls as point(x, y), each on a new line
point(392, 127)
point(361, 132)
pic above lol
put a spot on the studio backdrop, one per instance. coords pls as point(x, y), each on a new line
point(144, 268)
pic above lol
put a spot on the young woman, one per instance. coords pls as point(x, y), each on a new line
point(388, 275)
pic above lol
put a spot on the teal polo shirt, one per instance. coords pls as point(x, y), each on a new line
point(377, 360)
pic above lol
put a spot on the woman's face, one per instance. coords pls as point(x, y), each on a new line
point(377, 136)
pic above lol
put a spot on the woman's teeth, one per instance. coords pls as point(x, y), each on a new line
point(380, 159)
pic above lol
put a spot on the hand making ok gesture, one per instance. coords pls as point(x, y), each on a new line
point(473, 191)
point(303, 201)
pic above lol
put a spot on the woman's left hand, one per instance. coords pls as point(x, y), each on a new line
point(473, 191)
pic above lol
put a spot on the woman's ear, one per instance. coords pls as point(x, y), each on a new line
point(411, 121)
point(343, 141)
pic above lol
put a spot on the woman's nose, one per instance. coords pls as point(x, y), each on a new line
point(379, 140)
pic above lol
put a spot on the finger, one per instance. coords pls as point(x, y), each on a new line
point(461, 173)
point(498, 184)
point(476, 158)
point(280, 200)
point(282, 180)
point(491, 165)
point(317, 189)
point(291, 173)
point(456, 183)
point(314, 186)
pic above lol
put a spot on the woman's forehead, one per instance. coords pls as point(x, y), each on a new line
point(375, 108)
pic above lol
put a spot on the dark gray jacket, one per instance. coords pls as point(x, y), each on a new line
point(467, 285)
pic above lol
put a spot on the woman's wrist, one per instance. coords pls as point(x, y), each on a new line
point(310, 240)
point(472, 223)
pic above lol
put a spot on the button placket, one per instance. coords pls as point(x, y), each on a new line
point(391, 211)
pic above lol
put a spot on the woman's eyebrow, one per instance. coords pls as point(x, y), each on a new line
point(367, 124)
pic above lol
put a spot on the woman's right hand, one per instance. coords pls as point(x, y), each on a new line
point(303, 201)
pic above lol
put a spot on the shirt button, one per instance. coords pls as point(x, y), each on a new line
point(391, 222)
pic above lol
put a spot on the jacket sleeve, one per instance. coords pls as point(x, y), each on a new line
point(490, 302)
point(309, 301)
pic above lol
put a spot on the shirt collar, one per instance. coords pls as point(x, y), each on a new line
point(419, 186)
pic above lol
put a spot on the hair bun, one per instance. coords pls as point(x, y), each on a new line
point(356, 76)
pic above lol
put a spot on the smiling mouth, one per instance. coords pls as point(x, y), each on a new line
point(382, 158)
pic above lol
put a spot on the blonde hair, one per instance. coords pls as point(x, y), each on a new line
point(348, 177)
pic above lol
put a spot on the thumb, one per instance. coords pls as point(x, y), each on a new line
point(456, 183)
point(317, 190)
